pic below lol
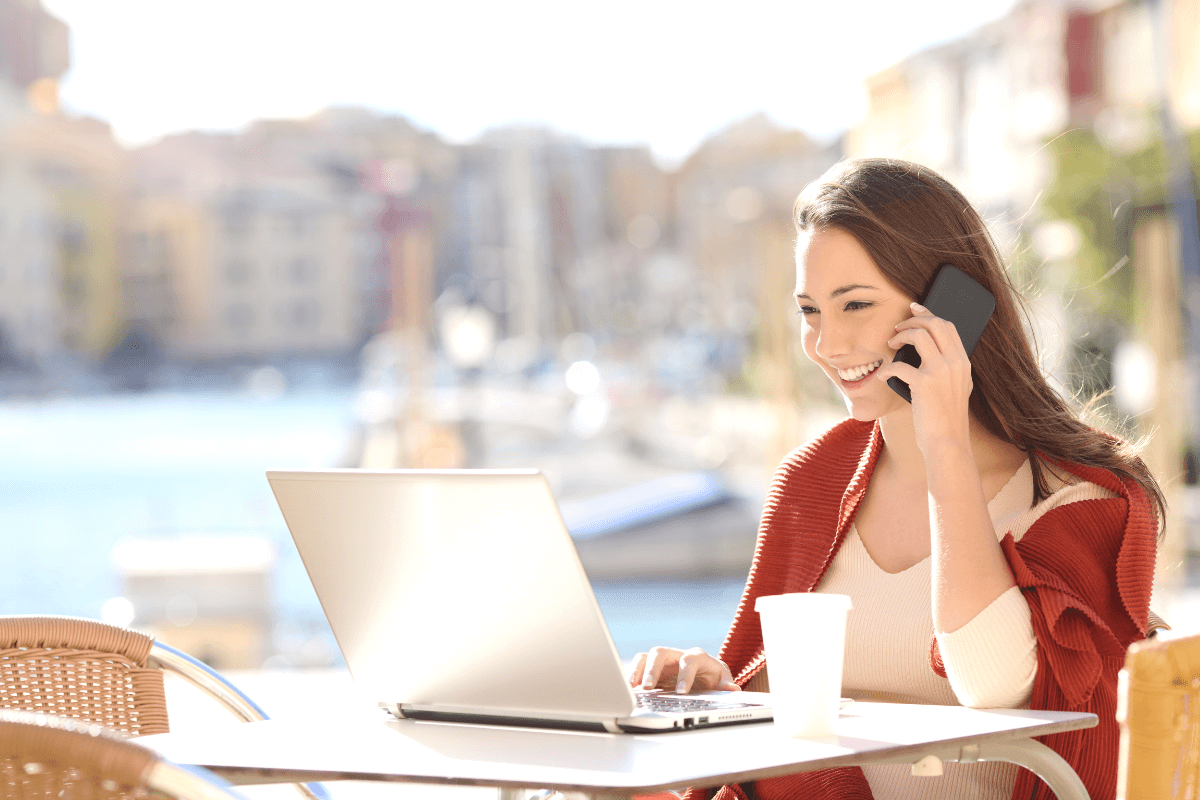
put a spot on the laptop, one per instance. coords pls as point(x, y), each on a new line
point(458, 595)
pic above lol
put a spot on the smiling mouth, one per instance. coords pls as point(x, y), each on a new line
point(858, 373)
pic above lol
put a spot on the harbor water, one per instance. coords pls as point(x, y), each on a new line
point(82, 474)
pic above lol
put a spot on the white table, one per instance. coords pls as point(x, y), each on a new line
point(603, 765)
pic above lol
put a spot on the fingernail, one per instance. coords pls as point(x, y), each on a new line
point(681, 688)
point(646, 684)
point(916, 306)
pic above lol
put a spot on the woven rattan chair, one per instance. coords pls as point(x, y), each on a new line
point(53, 757)
point(1156, 625)
point(94, 672)
point(1158, 708)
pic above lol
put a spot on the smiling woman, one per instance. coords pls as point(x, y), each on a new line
point(934, 516)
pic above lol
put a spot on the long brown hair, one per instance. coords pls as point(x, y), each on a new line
point(910, 220)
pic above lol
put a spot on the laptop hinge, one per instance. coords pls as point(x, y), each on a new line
point(393, 708)
point(606, 724)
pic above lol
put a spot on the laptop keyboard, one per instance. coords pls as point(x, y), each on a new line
point(653, 701)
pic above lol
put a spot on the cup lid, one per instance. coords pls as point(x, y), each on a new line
point(809, 600)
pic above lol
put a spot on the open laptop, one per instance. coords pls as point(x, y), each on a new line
point(458, 595)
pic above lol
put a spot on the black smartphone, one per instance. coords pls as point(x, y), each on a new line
point(955, 296)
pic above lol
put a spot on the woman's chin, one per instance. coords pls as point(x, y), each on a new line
point(861, 412)
point(878, 404)
point(858, 409)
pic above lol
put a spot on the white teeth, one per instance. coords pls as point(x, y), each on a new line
point(858, 372)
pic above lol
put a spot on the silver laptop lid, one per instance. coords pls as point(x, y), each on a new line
point(455, 588)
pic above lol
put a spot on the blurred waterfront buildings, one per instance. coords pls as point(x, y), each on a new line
point(981, 109)
point(302, 237)
point(310, 237)
point(529, 250)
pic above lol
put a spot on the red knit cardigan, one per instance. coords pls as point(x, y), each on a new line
point(1085, 569)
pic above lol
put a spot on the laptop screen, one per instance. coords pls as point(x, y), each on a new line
point(455, 588)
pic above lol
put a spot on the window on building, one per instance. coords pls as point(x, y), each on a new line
point(73, 234)
point(236, 221)
point(305, 315)
point(298, 223)
point(302, 270)
point(1083, 51)
point(238, 272)
point(240, 317)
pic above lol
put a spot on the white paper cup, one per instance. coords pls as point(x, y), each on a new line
point(804, 636)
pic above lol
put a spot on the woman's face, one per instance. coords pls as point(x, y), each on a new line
point(849, 312)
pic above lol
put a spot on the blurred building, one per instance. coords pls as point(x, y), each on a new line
point(33, 45)
point(267, 243)
point(551, 234)
point(311, 236)
point(61, 190)
point(1183, 41)
point(736, 195)
point(978, 109)
point(643, 265)
point(982, 109)
point(165, 269)
point(30, 302)
point(77, 167)
point(280, 277)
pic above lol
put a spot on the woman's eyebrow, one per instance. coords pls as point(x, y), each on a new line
point(839, 291)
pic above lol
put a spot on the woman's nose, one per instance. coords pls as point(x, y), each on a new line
point(832, 341)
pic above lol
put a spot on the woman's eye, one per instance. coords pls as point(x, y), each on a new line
point(853, 305)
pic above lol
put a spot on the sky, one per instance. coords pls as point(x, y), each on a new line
point(665, 73)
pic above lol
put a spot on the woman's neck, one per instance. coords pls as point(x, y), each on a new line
point(902, 458)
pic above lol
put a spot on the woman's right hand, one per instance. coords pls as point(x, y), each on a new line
point(680, 671)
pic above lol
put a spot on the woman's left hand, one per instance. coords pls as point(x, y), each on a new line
point(941, 386)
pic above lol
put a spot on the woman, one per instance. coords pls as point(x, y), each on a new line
point(998, 550)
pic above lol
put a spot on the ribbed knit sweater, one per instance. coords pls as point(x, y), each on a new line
point(1085, 569)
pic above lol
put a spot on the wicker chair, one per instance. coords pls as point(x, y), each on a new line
point(1158, 708)
point(1156, 625)
point(53, 757)
point(94, 672)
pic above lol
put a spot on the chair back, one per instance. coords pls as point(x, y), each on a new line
point(53, 757)
point(83, 669)
point(1158, 708)
point(95, 672)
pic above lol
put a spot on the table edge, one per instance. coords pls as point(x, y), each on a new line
point(260, 775)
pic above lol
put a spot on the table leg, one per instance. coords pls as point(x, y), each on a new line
point(1041, 761)
point(1034, 756)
